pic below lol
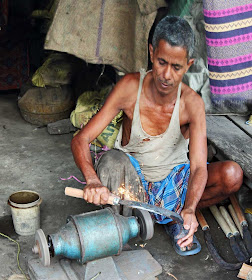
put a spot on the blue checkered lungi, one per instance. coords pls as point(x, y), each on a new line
point(169, 193)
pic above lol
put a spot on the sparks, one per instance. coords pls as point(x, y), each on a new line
point(126, 193)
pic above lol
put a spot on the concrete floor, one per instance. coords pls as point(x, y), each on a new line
point(34, 160)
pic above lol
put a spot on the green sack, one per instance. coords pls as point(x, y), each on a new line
point(58, 69)
point(48, 12)
point(88, 104)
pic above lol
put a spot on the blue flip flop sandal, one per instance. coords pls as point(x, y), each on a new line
point(173, 231)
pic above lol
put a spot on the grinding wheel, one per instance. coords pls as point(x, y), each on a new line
point(145, 222)
point(41, 247)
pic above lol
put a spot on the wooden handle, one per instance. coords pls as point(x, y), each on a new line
point(220, 220)
point(237, 209)
point(112, 200)
point(235, 218)
point(229, 220)
point(74, 192)
point(244, 271)
point(202, 221)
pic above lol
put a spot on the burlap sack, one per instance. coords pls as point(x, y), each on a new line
point(112, 32)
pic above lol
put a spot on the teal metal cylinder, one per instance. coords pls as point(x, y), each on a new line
point(94, 235)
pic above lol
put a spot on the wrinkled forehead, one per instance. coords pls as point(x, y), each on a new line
point(165, 51)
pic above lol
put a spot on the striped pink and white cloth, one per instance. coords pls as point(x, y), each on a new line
point(228, 26)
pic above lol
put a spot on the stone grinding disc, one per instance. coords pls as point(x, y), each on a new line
point(42, 246)
point(145, 222)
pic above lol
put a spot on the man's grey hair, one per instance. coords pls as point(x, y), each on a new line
point(176, 32)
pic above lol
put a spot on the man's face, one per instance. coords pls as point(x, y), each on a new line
point(169, 64)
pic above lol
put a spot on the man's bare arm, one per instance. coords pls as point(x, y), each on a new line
point(80, 143)
point(198, 167)
point(197, 155)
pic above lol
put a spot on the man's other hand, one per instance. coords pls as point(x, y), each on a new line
point(191, 224)
point(96, 194)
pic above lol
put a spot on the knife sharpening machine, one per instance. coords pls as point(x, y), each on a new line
point(93, 235)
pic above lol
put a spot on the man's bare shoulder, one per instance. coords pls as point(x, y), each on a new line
point(126, 89)
point(190, 98)
point(192, 103)
point(129, 82)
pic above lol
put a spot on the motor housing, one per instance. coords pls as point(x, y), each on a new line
point(93, 235)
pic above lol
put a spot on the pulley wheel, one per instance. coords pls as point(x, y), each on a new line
point(41, 247)
point(145, 222)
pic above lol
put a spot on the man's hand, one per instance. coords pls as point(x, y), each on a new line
point(191, 224)
point(96, 193)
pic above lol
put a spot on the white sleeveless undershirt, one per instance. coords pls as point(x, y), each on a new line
point(161, 153)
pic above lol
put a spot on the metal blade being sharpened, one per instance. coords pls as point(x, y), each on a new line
point(152, 208)
point(157, 210)
point(115, 200)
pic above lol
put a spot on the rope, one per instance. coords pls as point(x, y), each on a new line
point(96, 157)
point(19, 267)
point(64, 179)
point(172, 275)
